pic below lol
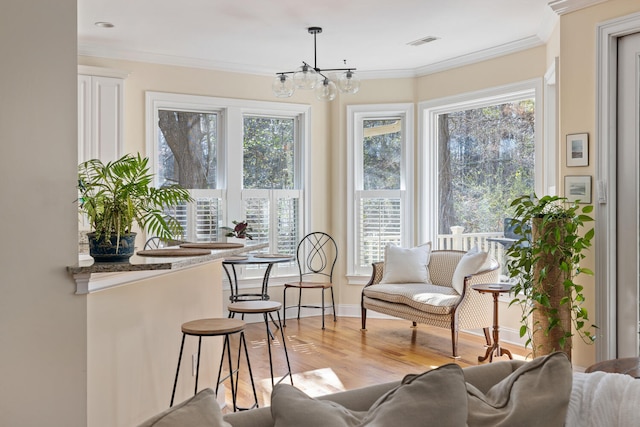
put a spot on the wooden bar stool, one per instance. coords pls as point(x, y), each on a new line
point(212, 328)
point(266, 308)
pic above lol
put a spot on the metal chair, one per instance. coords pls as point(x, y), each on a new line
point(158, 243)
point(154, 243)
point(316, 257)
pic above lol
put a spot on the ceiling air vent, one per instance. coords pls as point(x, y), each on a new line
point(422, 41)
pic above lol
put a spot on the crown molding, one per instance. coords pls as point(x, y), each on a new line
point(482, 55)
point(179, 61)
point(562, 7)
point(102, 72)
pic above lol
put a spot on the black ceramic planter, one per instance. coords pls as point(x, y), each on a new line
point(106, 249)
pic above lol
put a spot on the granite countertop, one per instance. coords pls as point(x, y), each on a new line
point(145, 263)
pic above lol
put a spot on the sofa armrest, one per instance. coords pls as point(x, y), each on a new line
point(376, 273)
point(475, 309)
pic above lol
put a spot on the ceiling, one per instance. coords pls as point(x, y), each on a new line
point(263, 37)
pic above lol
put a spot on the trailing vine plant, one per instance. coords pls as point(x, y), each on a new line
point(547, 256)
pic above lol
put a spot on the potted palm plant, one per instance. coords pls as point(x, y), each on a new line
point(544, 265)
point(114, 196)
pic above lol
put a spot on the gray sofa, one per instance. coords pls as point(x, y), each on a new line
point(544, 392)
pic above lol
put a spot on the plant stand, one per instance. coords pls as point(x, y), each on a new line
point(544, 340)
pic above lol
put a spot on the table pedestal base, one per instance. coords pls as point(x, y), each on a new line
point(496, 350)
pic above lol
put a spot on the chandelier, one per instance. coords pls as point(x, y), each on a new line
point(308, 77)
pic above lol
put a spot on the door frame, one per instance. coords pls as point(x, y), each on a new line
point(605, 239)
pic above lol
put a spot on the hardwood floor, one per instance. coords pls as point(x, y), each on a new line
point(342, 357)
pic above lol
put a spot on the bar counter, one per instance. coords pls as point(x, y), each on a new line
point(91, 276)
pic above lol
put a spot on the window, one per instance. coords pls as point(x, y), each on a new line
point(481, 151)
point(262, 180)
point(271, 192)
point(187, 154)
point(380, 175)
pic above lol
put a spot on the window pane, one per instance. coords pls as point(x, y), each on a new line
point(187, 151)
point(486, 159)
point(268, 153)
point(380, 224)
point(382, 151)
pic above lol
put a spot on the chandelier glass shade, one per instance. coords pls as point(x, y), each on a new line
point(305, 78)
point(308, 77)
point(283, 86)
point(326, 90)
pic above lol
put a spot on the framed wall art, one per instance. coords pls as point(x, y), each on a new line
point(578, 149)
point(578, 188)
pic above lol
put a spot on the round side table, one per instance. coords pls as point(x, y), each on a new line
point(494, 289)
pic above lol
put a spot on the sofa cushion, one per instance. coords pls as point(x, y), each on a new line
point(535, 394)
point(438, 394)
point(429, 298)
point(200, 410)
point(406, 265)
point(471, 263)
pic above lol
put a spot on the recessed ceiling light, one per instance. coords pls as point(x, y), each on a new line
point(102, 24)
point(423, 40)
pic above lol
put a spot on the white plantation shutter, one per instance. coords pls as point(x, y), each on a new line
point(380, 223)
point(257, 212)
point(274, 216)
point(207, 213)
point(289, 219)
point(200, 219)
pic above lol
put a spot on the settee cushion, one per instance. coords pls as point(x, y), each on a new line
point(200, 410)
point(471, 263)
point(406, 265)
point(438, 394)
point(535, 394)
point(428, 298)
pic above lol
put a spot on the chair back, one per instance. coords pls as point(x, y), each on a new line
point(154, 243)
point(316, 255)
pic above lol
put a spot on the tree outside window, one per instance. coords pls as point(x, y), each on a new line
point(486, 158)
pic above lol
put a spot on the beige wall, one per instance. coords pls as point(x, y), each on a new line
point(43, 357)
point(134, 340)
point(329, 128)
point(578, 109)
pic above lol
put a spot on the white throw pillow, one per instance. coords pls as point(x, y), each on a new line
point(406, 265)
point(470, 263)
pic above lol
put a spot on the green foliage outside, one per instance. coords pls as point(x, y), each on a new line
point(486, 159)
point(268, 153)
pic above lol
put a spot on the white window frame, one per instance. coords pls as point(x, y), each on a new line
point(428, 112)
point(230, 147)
point(356, 114)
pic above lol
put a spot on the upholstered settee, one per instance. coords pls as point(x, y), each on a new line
point(434, 288)
point(541, 393)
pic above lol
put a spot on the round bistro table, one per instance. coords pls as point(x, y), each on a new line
point(251, 259)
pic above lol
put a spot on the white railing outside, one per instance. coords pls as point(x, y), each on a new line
point(458, 240)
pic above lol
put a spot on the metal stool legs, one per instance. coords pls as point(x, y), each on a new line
point(284, 346)
point(234, 384)
point(226, 351)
